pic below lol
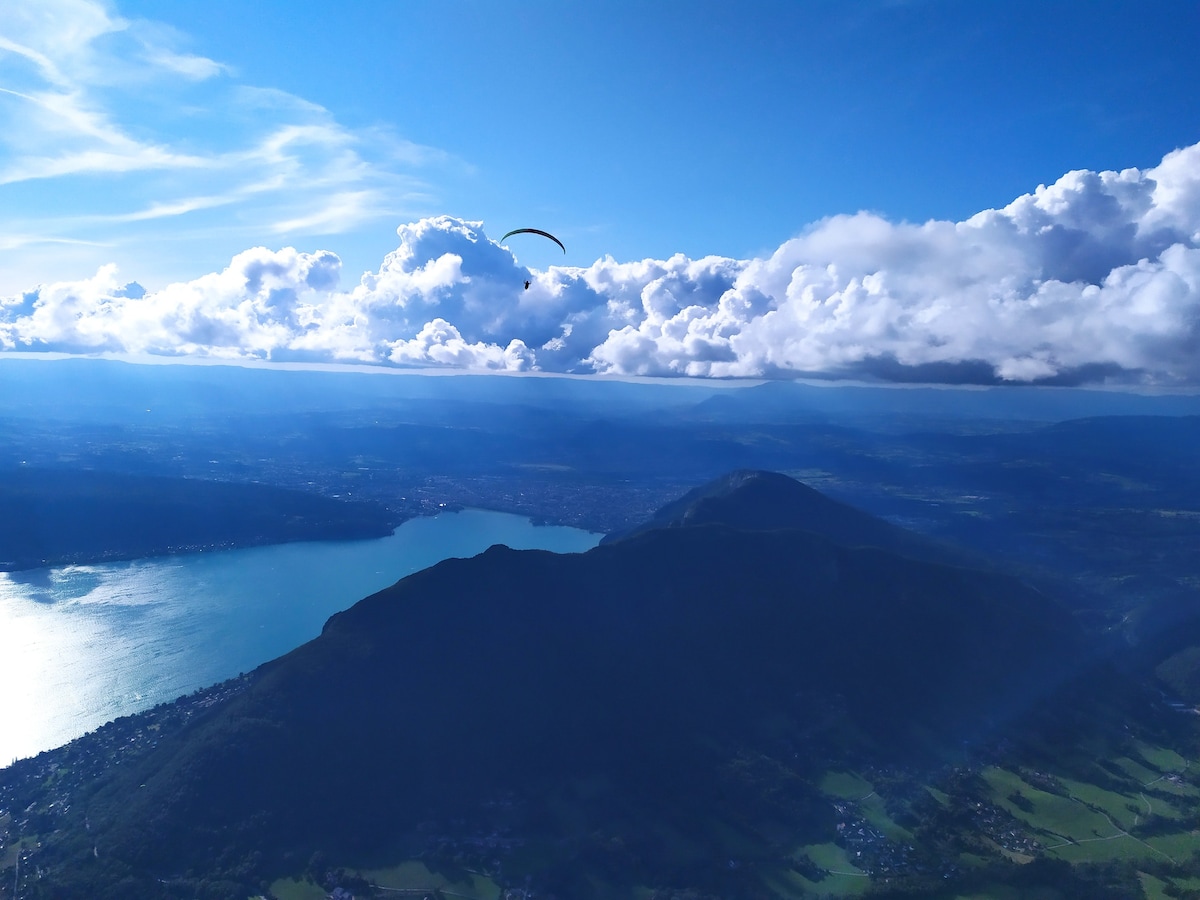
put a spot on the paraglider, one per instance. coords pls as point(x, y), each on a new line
point(544, 234)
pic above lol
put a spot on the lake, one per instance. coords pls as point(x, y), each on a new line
point(82, 645)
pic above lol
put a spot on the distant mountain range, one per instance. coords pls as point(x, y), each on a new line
point(658, 713)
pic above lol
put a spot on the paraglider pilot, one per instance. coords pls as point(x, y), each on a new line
point(544, 234)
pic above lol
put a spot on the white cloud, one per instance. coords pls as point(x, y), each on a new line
point(56, 35)
point(1095, 277)
point(439, 344)
point(46, 65)
point(167, 210)
point(188, 65)
point(125, 158)
point(341, 212)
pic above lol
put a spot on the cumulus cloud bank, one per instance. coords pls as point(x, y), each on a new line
point(1095, 278)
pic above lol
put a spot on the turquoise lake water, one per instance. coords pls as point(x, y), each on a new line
point(81, 645)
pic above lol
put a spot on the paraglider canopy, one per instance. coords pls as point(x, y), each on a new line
point(544, 234)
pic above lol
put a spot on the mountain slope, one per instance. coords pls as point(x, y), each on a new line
point(690, 676)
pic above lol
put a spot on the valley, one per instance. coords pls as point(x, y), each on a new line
point(967, 828)
point(758, 754)
point(954, 659)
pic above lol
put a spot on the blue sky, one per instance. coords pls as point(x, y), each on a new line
point(167, 138)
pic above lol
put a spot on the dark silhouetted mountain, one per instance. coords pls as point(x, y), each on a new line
point(761, 501)
point(680, 677)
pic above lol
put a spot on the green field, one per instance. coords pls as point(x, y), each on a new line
point(874, 810)
point(294, 889)
point(1121, 848)
point(1163, 759)
point(845, 878)
point(1138, 770)
point(1183, 790)
point(1155, 888)
point(791, 885)
point(1094, 819)
point(1003, 892)
point(941, 797)
point(1088, 825)
point(413, 874)
point(1054, 818)
point(845, 786)
point(1115, 805)
point(1178, 846)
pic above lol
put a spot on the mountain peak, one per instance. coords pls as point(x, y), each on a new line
point(756, 500)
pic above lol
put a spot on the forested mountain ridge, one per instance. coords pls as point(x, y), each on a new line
point(61, 516)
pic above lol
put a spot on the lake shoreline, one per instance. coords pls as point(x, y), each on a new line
point(86, 643)
point(59, 517)
point(120, 556)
